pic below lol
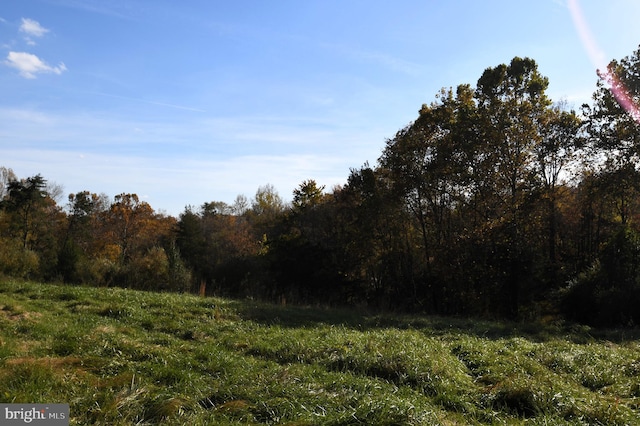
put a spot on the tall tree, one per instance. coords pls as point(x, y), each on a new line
point(128, 223)
point(302, 256)
point(84, 209)
point(375, 242)
point(82, 234)
point(613, 124)
point(307, 195)
point(512, 106)
point(26, 200)
point(34, 221)
point(557, 150)
point(267, 202)
point(608, 292)
point(218, 246)
point(427, 163)
point(266, 213)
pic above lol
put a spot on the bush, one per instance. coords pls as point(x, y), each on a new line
point(17, 261)
point(180, 276)
point(98, 271)
point(158, 269)
point(149, 271)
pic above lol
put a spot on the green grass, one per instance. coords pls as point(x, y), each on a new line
point(122, 357)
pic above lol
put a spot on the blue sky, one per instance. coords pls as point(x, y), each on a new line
point(185, 102)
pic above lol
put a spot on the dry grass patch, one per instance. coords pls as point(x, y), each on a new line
point(17, 313)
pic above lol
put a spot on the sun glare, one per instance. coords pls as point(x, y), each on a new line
point(597, 57)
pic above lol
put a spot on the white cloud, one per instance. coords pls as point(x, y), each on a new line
point(30, 65)
point(32, 28)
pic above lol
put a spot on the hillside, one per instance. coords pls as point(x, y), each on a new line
point(121, 357)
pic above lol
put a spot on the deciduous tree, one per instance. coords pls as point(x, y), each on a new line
point(512, 107)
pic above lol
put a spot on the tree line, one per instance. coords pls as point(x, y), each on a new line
point(495, 201)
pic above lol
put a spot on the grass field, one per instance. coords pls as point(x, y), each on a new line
point(122, 357)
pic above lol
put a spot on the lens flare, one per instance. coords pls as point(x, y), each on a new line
point(598, 58)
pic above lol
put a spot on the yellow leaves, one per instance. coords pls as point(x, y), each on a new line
point(111, 252)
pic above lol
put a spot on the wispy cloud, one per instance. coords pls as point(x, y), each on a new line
point(371, 56)
point(113, 8)
point(32, 29)
point(164, 104)
point(221, 157)
point(29, 65)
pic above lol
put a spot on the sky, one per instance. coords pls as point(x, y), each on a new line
point(193, 101)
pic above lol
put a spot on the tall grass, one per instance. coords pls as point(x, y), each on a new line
point(121, 357)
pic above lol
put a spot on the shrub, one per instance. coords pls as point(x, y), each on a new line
point(98, 271)
point(180, 276)
point(17, 261)
point(149, 271)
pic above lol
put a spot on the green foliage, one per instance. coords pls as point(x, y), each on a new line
point(267, 202)
point(179, 276)
point(25, 201)
point(307, 195)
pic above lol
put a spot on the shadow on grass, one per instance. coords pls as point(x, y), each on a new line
point(361, 319)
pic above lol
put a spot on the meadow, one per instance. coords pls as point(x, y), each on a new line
point(122, 357)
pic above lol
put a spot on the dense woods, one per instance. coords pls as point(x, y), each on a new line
point(495, 201)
